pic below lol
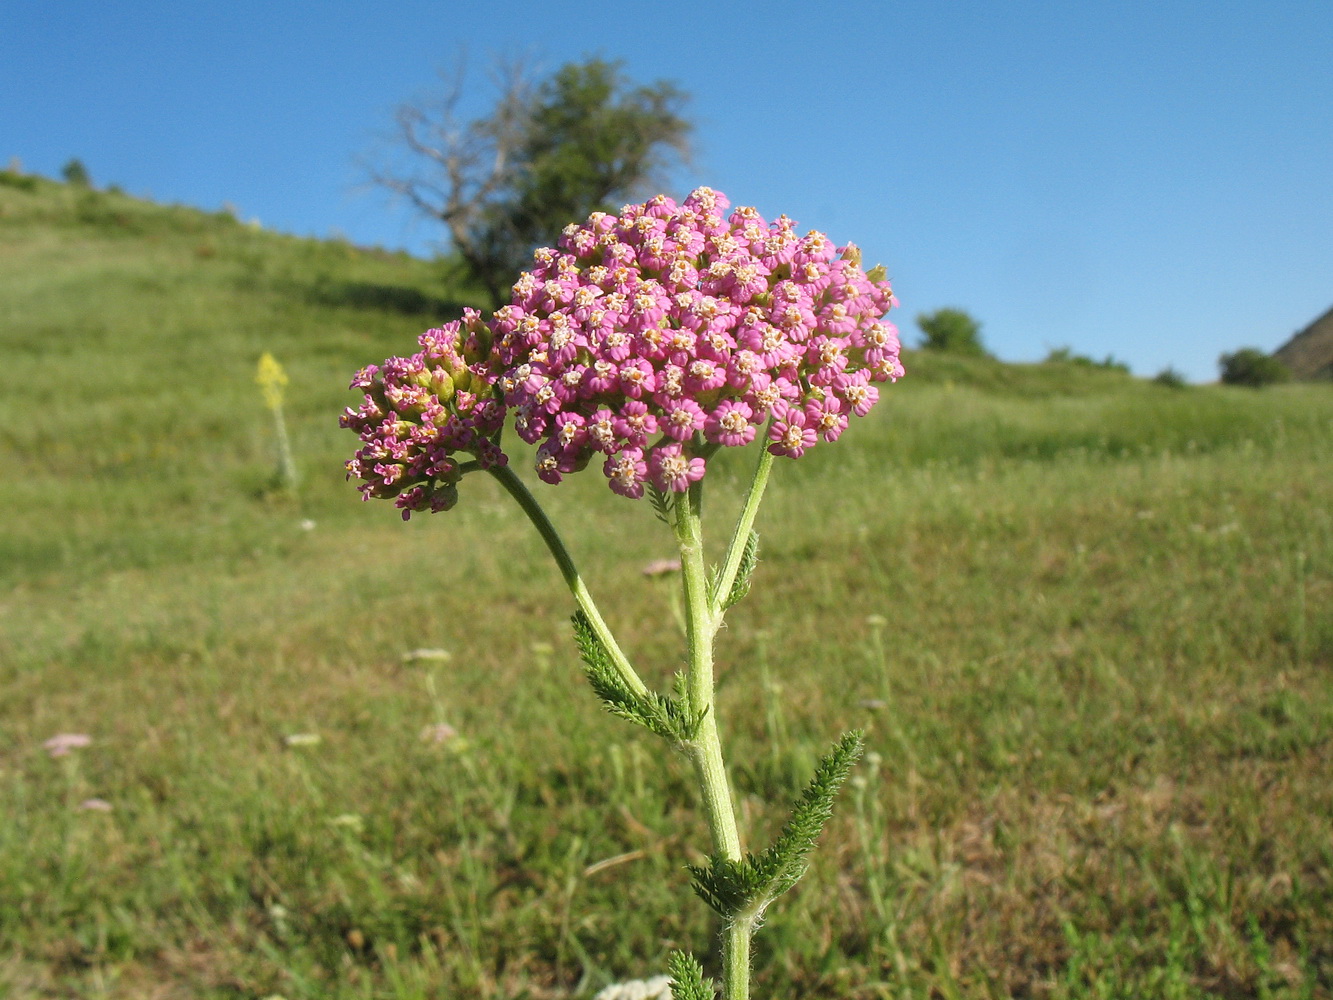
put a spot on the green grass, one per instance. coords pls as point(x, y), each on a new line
point(1085, 620)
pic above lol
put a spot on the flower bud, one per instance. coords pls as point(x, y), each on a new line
point(442, 385)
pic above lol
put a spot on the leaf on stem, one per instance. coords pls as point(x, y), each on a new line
point(727, 886)
point(662, 503)
point(733, 888)
point(784, 862)
point(687, 978)
point(740, 586)
point(668, 717)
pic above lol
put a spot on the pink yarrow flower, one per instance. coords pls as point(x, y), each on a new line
point(672, 470)
point(419, 413)
point(652, 338)
point(725, 322)
point(790, 433)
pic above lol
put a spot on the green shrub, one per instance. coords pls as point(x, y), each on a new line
point(952, 331)
point(1066, 356)
point(76, 174)
point(11, 178)
point(1252, 367)
point(1170, 378)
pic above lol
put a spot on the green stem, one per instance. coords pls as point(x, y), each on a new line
point(744, 524)
point(701, 624)
point(736, 959)
point(286, 464)
point(514, 486)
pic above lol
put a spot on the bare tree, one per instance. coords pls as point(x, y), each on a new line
point(547, 152)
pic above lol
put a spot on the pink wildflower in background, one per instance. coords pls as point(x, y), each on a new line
point(661, 567)
point(62, 743)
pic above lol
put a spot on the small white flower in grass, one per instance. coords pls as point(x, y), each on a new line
point(62, 743)
point(657, 988)
point(349, 821)
point(542, 653)
point(418, 655)
point(307, 525)
point(302, 740)
point(441, 732)
point(95, 805)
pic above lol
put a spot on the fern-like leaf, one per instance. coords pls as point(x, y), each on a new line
point(783, 863)
point(740, 586)
point(669, 718)
point(748, 886)
point(662, 503)
point(687, 978)
point(727, 886)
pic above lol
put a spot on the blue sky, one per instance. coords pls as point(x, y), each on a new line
point(1152, 181)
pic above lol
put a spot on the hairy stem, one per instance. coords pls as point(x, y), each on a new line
point(516, 489)
point(736, 959)
point(701, 625)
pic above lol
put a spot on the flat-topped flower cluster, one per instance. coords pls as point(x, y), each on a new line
point(647, 341)
point(420, 412)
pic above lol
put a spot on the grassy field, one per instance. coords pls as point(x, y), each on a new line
point(1085, 619)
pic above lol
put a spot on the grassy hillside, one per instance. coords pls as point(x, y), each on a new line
point(1086, 620)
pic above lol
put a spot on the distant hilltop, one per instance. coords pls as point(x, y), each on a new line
point(1309, 354)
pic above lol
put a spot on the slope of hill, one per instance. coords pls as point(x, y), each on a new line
point(133, 330)
point(1084, 619)
point(1309, 353)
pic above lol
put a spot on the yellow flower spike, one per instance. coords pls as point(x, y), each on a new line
point(272, 379)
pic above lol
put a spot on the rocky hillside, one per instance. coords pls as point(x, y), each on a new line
point(1309, 353)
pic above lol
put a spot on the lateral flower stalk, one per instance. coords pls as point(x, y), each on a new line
point(514, 486)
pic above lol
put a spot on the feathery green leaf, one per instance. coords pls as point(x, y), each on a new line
point(740, 586)
point(662, 503)
point(783, 863)
point(687, 978)
point(727, 886)
point(733, 887)
point(669, 718)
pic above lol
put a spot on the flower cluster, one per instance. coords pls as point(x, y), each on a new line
point(651, 339)
point(419, 412)
point(645, 341)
